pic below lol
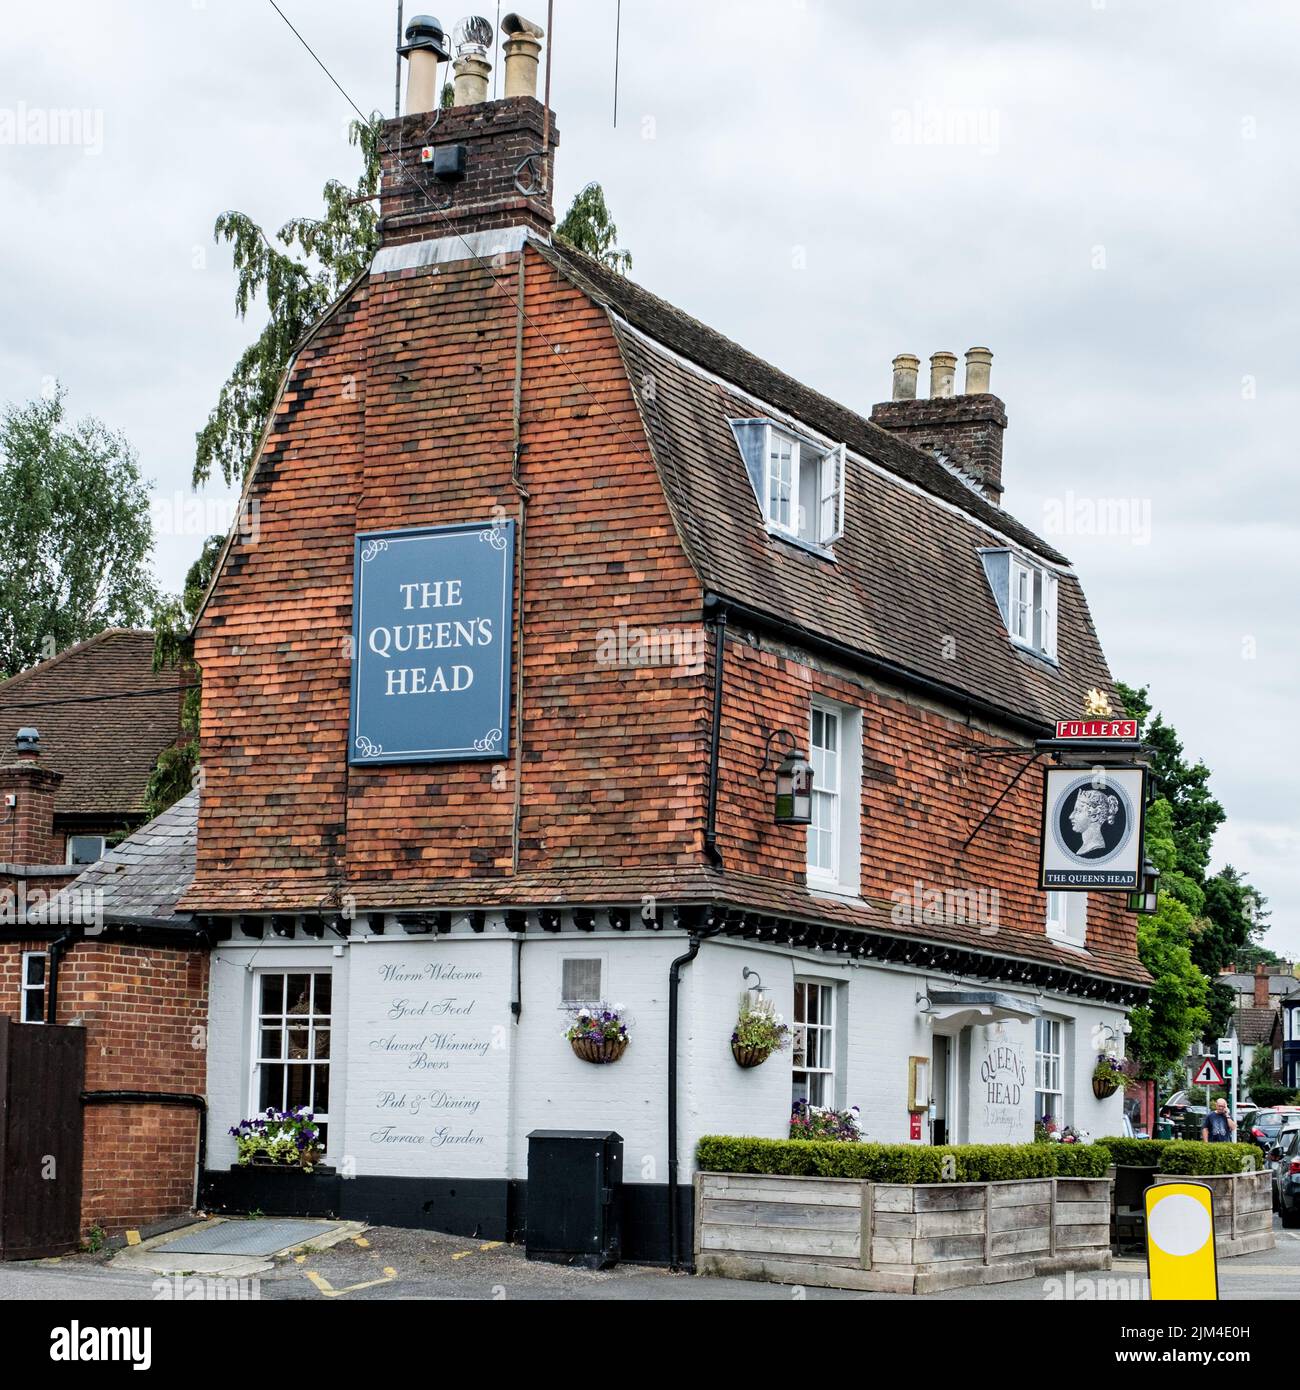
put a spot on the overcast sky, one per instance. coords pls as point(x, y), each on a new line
point(1102, 191)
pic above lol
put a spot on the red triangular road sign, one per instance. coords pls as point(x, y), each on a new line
point(1209, 1074)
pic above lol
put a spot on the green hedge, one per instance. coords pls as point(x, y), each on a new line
point(1265, 1096)
point(1134, 1153)
point(898, 1163)
point(1191, 1156)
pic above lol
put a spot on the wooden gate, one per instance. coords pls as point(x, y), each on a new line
point(42, 1070)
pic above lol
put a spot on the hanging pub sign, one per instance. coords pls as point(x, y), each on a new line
point(1092, 828)
point(1091, 730)
point(431, 643)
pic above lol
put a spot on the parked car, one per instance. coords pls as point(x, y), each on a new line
point(1284, 1161)
point(1266, 1125)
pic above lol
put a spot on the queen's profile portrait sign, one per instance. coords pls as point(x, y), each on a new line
point(431, 644)
point(1093, 820)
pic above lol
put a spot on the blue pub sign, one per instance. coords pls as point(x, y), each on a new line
point(431, 635)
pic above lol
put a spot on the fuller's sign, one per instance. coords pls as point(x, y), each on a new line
point(431, 644)
point(1092, 828)
point(1097, 729)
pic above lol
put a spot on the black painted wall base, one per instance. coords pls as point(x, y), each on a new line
point(480, 1208)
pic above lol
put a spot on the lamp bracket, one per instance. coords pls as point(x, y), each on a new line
point(767, 745)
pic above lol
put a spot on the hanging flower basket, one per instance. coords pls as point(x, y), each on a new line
point(750, 1056)
point(759, 1032)
point(1107, 1076)
point(1103, 1087)
point(598, 1033)
point(606, 1050)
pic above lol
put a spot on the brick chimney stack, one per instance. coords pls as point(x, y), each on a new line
point(27, 792)
point(478, 164)
point(1261, 986)
point(966, 430)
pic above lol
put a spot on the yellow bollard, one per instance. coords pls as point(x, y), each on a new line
point(1181, 1260)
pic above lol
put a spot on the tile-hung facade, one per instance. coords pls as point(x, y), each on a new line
point(709, 562)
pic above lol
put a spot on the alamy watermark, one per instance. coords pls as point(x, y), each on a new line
point(45, 125)
point(1098, 516)
point(920, 905)
point(185, 514)
point(68, 907)
point(974, 126)
point(675, 647)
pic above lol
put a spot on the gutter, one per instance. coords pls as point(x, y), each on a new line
point(698, 938)
point(716, 604)
point(58, 948)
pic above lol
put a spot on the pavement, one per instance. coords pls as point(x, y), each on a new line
point(379, 1263)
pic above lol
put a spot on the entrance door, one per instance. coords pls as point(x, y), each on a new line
point(941, 1071)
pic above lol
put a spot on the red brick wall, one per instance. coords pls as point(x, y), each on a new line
point(145, 1014)
point(28, 836)
point(401, 415)
point(924, 791)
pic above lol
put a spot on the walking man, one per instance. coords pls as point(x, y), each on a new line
point(1219, 1126)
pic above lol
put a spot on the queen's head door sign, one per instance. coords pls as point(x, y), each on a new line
point(1092, 828)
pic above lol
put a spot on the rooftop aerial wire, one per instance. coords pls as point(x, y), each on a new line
point(496, 67)
point(473, 255)
point(618, 34)
point(397, 80)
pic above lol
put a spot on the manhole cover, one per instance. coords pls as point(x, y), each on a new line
point(247, 1237)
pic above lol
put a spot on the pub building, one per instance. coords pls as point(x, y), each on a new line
point(583, 657)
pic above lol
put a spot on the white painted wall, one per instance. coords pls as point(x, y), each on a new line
point(433, 1072)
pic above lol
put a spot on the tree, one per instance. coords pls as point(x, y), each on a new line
point(1175, 1013)
point(75, 533)
point(173, 645)
point(316, 259)
point(588, 226)
point(1227, 914)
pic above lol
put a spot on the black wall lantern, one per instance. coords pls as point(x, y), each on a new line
point(1146, 900)
point(794, 782)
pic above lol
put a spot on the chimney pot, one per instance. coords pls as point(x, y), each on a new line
point(521, 48)
point(424, 49)
point(472, 69)
point(979, 362)
point(906, 367)
point(28, 743)
point(943, 373)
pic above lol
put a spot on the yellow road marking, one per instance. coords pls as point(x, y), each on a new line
point(133, 1237)
point(361, 1241)
point(492, 1245)
point(326, 1288)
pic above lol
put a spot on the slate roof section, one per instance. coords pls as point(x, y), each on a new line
point(1255, 1026)
point(907, 584)
point(143, 877)
point(105, 748)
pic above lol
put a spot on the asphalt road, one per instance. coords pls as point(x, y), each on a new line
point(394, 1264)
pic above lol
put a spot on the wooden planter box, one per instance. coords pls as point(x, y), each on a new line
point(898, 1238)
point(1243, 1210)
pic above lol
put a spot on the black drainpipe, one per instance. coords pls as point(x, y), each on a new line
point(186, 1098)
point(711, 816)
point(698, 938)
point(57, 949)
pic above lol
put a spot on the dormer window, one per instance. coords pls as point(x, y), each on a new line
point(798, 483)
point(1026, 596)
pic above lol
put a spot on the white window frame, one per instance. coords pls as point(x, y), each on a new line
point(41, 990)
point(829, 463)
point(600, 994)
point(843, 874)
point(1017, 608)
point(77, 835)
point(282, 1020)
point(1049, 1066)
point(1067, 917)
point(819, 1081)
